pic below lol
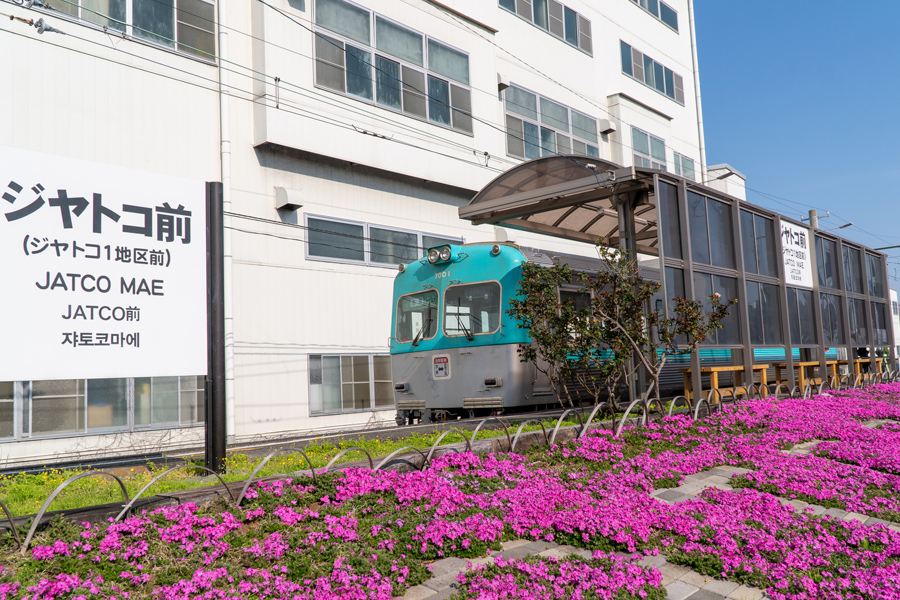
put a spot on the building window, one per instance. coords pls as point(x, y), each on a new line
point(7, 409)
point(649, 150)
point(638, 65)
point(711, 233)
point(670, 219)
point(376, 60)
point(758, 238)
point(856, 309)
point(764, 312)
point(364, 243)
point(537, 126)
point(894, 307)
point(832, 319)
point(684, 166)
point(661, 11)
point(184, 25)
point(348, 383)
point(556, 19)
point(879, 324)
point(800, 318)
point(705, 285)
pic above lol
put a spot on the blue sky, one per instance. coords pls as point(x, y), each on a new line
point(803, 97)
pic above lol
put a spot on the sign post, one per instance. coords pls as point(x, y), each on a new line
point(215, 291)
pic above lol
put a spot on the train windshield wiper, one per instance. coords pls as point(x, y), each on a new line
point(426, 325)
point(462, 325)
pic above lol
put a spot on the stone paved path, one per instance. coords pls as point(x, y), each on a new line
point(681, 583)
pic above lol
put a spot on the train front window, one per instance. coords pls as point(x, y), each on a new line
point(417, 316)
point(472, 309)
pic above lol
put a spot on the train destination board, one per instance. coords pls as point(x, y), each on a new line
point(104, 270)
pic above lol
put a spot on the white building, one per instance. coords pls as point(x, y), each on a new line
point(895, 317)
point(369, 124)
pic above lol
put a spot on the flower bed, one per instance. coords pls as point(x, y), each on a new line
point(364, 534)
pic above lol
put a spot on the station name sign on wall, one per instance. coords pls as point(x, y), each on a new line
point(795, 244)
point(103, 270)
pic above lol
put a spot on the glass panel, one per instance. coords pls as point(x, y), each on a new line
point(515, 137)
point(346, 369)
point(472, 308)
point(344, 18)
point(382, 364)
point(668, 15)
point(330, 63)
point(826, 253)
point(555, 115)
point(461, 101)
point(7, 390)
point(165, 400)
point(392, 247)
point(331, 383)
point(702, 291)
point(7, 426)
point(196, 41)
point(315, 384)
point(108, 13)
point(521, 102)
point(540, 14)
point(563, 144)
point(679, 89)
point(360, 369)
point(688, 167)
point(384, 395)
point(585, 41)
point(57, 415)
point(557, 26)
point(659, 79)
point(857, 313)
point(765, 246)
point(154, 20)
point(721, 236)
point(347, 396)
point(653, 7)
point(771, 314)
point(335, 240)
point(667, 199)
point(670, 84)
point(626, 59)
point(579, 148)
point(793, 316)
point(196, 13)
point(523, 9)
point(584, 126)
point(548, 141)
point(362, 396)
point(697, 223)
point(509, 5)
point(359, 72)
point(414, 92)
point(879, 324)
point(637, 62)
point(731, 330)
point(417, 316)
point(648, 70)
point(387, 83)
point(748, 242)
point(852, 270)
point(191, 408)
point(593, 151)
point(808, 333)
point(438, 100)
point(107, 403)
point(399, 41)
point(640, 141)
point(571, 19)
point(532, 141)
point(57, 387)
point(876, 277)
point(657, 149)
point(448, 62)
point(754, 313)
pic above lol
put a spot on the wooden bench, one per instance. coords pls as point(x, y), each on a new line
point(801, 369)
point(859, 362)
point(713, 373)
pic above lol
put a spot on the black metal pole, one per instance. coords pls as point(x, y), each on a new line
point(215, 297)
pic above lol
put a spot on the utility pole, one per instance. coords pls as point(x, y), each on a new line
point(814, 218)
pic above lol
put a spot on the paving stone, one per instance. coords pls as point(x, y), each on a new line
point(693, 488)
point(444, 593)
point(856, 517)
point(718, 586)
point(815, 509)
point(714, 479)
point(673, 571)
point(723, 486)
point(520, 552)
point(418, 592)
point(877, 521)
point(585, 553)
point(837, 513)
point(894, 526)
point(706, 595)
point(672, 496)
point(695, 578)
point(554, 552)
point(653, 561)
point(799, 504)
point(568, 549)
point(746, 592)
point(666, 580)
point(514, 544)
point(446, 565)
point(539, 546)
point(443, 581)
point(679, 590)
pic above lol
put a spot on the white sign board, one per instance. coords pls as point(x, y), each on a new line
point(795, 244)
point(102, 271)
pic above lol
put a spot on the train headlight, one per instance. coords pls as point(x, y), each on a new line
point(433, 255)
point(495, 250)
point(445, 253)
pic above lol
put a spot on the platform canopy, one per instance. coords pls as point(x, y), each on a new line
point(578, 198)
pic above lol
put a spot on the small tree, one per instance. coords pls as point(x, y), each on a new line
point(622, 302)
